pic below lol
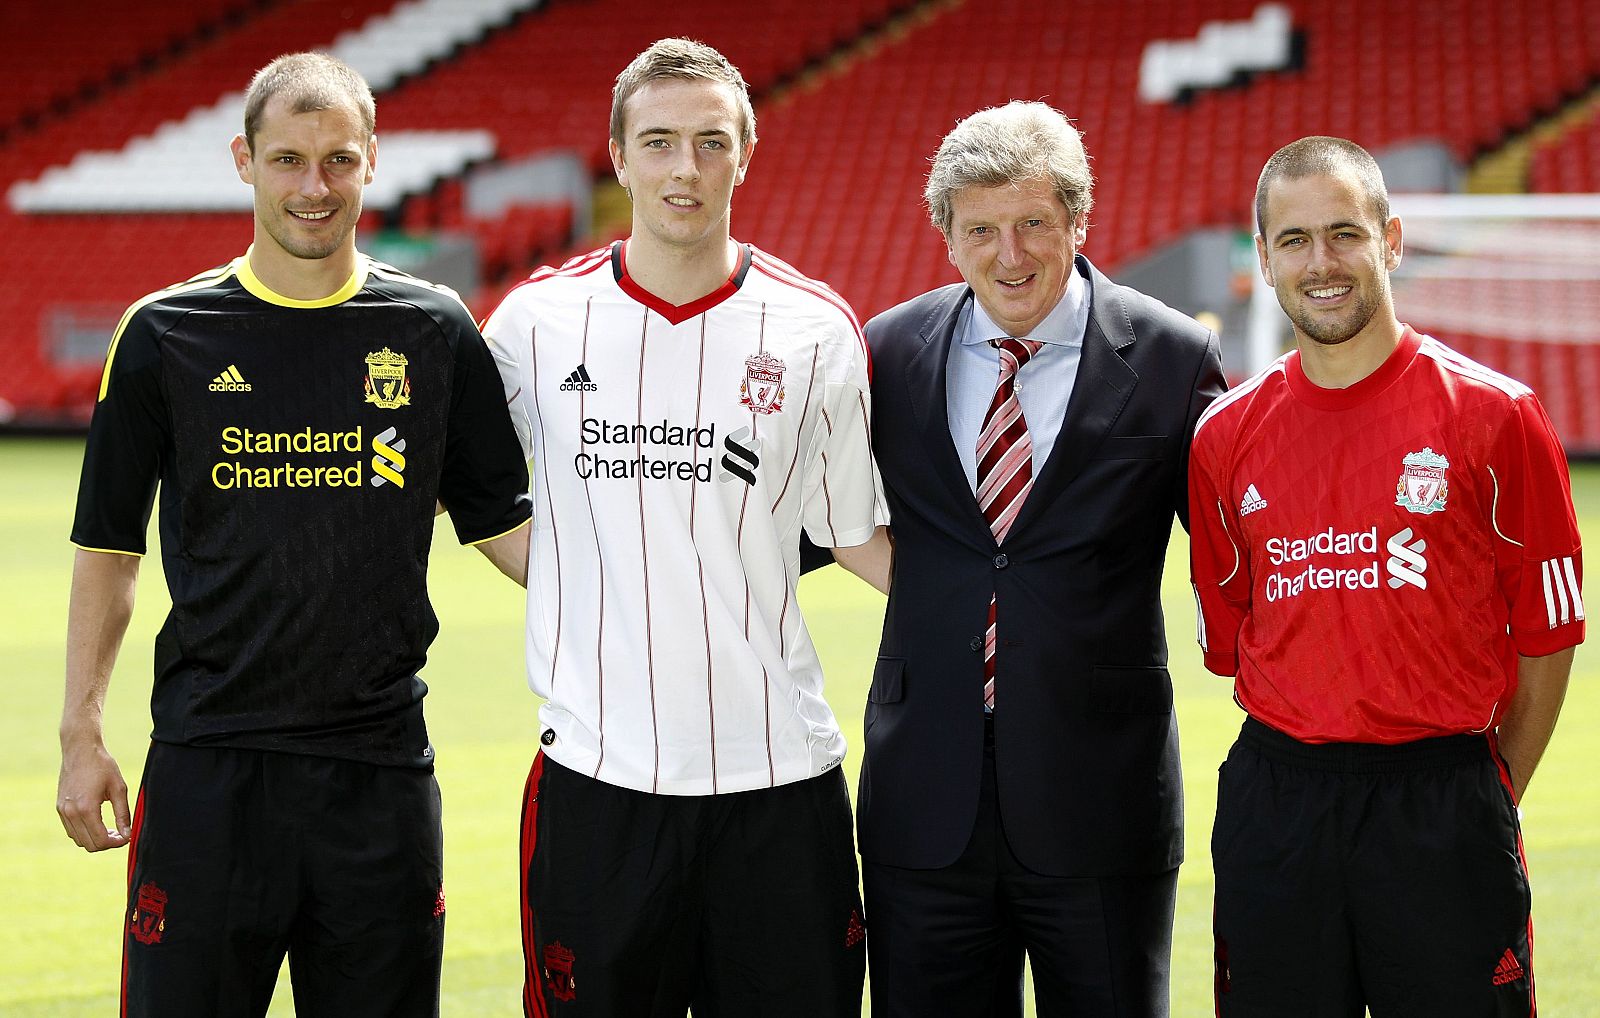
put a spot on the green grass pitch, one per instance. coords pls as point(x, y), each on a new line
point(61, 907)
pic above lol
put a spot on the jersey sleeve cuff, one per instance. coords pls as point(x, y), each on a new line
point(475, 541)
point(107, 551)
point(1543, 642)
point(848, 538)
point(1226, 665)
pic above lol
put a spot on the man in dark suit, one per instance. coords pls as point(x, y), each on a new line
point(1021, 788)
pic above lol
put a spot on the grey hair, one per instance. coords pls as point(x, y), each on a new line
point(1005, 144)
point(685, 60)
point(1317, 155)
point(310, 82)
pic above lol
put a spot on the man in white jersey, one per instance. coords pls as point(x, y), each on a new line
point(690, 404)
point(1388, 566)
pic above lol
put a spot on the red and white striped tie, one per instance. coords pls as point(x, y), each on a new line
point(1005, 469)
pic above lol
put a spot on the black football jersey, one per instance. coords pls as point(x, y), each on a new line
point(299, 448)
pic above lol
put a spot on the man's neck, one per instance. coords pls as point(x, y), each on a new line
point(1344, 364)
point(301, 278)
point(679, 275)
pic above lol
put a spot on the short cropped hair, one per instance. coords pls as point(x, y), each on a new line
point(1318, 155)
point(685, 60)
point(310, 82)
point(1006, 144)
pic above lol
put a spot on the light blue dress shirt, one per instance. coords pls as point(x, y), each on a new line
point(1043, 385)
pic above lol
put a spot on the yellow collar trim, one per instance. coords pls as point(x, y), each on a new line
point(251, 282)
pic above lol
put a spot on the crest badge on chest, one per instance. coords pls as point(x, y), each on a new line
point(762, 388)
point(386, 385)
point(1424, 484)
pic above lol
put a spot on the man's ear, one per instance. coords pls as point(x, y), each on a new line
point(618, 165)
point(241, 159)
point(1393, 246)
point(745, 152)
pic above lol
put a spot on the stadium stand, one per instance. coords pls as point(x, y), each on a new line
point(1162, 169)
point(180, 167)
point(195, 77)
point(1571, 163)
point(845, 138)
point(546, 81)
point(786, 36)
point(124, 41)
point(1465, 72)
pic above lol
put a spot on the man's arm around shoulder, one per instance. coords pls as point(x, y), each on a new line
point(97, 619)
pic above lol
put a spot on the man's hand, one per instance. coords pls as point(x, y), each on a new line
point(89, 779)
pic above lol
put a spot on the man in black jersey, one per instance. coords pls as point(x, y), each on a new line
point(302, 410)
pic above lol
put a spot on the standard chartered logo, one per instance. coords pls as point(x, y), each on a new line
point(288, 459)
point(308, 458)
point(1331, 559)
point(387, 459)
point(662, 451)
point(1406, 564)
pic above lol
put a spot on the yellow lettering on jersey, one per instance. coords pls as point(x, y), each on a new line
point(226, 476)
point(236, 440)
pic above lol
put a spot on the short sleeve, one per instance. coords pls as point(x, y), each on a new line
point(128, 436)
point(844, 501)
point(1218, 569)
point(1538, 551)
point(506, 333)
point(484, 481)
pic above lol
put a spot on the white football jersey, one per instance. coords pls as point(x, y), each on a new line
point(676, 453)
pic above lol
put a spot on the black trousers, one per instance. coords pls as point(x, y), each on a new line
point(950, 941)
point(738, 905)
point(1354, 876)
point(240, 856)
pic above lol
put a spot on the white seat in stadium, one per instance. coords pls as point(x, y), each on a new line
point(183, 166)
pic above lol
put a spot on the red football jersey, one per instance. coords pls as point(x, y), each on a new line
point(1370, 561)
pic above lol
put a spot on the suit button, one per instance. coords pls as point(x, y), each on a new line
point(1000, 561)
point(975, 644)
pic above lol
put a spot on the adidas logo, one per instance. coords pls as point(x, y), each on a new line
point(579, 381)
point(230, 381)
point(1508, 970)
point(1252, 501)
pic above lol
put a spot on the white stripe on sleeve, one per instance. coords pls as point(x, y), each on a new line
point(1572, 587)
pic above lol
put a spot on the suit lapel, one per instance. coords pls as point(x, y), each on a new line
point(926, 386)
point(1101, 390)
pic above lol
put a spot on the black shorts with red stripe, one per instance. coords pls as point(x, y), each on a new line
point(241, 856)
point(1355, 876)
point(638, 905)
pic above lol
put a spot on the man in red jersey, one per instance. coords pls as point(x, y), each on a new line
point(1387, 562)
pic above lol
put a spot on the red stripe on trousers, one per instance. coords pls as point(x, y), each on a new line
point(1522, 857)
point(133, 858)
point(533, 1005)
